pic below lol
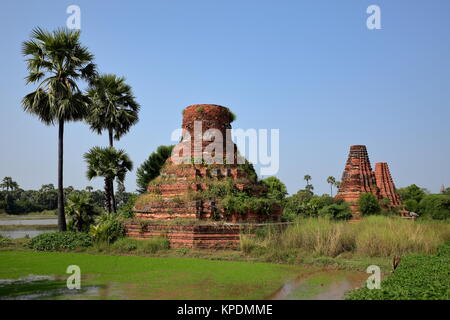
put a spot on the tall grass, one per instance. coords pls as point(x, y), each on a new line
point(374, 236)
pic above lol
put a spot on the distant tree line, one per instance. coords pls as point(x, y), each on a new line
point(15, 200)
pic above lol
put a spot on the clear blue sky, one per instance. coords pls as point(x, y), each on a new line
point(309, 68)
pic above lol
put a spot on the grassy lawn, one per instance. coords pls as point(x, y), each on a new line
point(134, 277)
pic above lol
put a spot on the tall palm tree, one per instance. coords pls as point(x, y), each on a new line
point(9, 184)
point(56, 61)
point(307, 178)
point(331, 180)
point(114, 109)
point(110, 164)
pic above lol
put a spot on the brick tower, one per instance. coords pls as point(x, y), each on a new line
point(386, 184)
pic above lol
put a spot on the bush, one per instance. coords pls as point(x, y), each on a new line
point(4, 241)
point(411, 205)
point(368, 204)
point(436, 206)
point(336, 211)
point(108, 229)
point(153, 245)
point(60, 241)
point(125, 245)
point(126, 210)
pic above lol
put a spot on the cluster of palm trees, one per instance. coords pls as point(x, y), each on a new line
point(57, 63)
point(330, 180)
point(9, 184)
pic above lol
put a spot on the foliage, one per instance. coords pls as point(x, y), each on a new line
point(4, 241)
point(81, 211)
point(373, 236)
point(109, 228)
point(435, 206)
point(336, 211)
point(126, 210)
point(60, 241)
point(275, 188)
point(412, 192)
point(148, 246)
point(110, 164)
point(368, 204)
point(151, 167)
point(411, 205)
point(418, 277)
point(113, 106)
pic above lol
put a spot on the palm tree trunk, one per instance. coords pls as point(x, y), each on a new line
point(113, 197)
point(331, 189)
point(108, 194)
point(61, 216)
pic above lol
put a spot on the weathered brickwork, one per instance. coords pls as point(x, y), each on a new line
point(179, 191)
point(358, 178)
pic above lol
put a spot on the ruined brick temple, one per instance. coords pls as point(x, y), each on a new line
point(358, 178)
point(185, 201)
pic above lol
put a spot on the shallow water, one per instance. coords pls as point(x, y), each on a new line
point(27, 222)
point(322, 285)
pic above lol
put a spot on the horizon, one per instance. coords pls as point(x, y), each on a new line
point(312, 70)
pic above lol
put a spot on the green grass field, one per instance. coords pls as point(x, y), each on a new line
point(134, 277)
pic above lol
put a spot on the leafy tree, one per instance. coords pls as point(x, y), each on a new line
point(368, 204)
point(411, 205)
point(275, 188)
point(81, 211)
point(151, 167)
point(110, 164)
point(331, 181)
point(412, 192)
point(446, 191)
point(56, 62)
point(436, 206)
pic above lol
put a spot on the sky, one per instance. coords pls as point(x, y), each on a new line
point(311, 69)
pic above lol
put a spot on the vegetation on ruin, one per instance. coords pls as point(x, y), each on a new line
point(418, 277)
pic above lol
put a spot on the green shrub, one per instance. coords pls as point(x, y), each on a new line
point(4, 241)
point(60, 241)
point(336, 211)
point(436, 206)
point(126, 210)
point(153, 245)
point(125, 245)
point(368, 204)
point(108, 229)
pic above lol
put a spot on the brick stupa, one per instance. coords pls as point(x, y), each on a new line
point(181, 190)
point(358, 178)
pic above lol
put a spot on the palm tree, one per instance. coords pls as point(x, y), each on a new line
point(110, 164)
point(337, 184)
point(89, 189)
point(9, 184)
point(307, 178)
point(114, 109)
point(331, 180)
point(56, 62)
